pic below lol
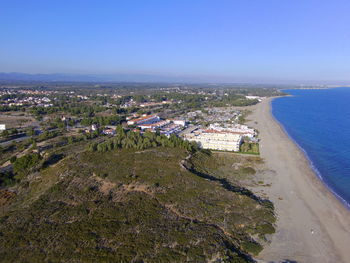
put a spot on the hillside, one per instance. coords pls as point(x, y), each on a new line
point(154, 205)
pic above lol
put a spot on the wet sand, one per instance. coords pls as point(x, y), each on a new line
point(312, 225)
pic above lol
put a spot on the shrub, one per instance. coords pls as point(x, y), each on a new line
point(266, 229)
point(13, 159)
point(23, 164)
point(252, 247)
point(7, 179)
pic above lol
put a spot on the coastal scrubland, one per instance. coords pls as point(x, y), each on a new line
point(160, 204)
point(70, 191)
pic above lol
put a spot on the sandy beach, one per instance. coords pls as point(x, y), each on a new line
point(312, 225)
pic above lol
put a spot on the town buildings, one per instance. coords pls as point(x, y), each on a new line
point(152, 103)
point(254, 98)
point(148, 119)
point(215, 140)
point(243, 130)
point(154, 125)
point(179, 122)
point(109, 131)
point(171, 128)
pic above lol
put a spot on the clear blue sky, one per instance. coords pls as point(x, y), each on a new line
point(234, 40)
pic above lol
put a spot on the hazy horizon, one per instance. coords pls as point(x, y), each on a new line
point(292, 42)
point(153, 78)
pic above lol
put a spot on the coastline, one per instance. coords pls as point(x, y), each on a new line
point(311, 164)
point(313, 225)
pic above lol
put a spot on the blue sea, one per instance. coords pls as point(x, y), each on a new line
point(319, 122)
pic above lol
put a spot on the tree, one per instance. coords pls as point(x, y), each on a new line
point(93, 147)
point(22, 165)
point(7, 178)
point(5, 133)
point(13, 159)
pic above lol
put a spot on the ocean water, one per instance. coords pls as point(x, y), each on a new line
point(319, 122)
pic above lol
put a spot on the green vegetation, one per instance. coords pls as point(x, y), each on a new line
point(101, 120)
point(240, 170)
point(4, 108)
point(252, 247)
point(47, 135)
point(151, 205)
point(22, 165)
point(134, 140)
point(75, 196)
point(69, 106)
point(232, 99)
point(9, 132)
point(249, 147)
point(7, 179)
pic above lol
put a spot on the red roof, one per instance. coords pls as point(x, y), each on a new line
point(154, 124)
point(144, 118)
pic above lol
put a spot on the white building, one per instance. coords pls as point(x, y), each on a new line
point(148, 119)
point(254, 98)
point(154, 125)
point(179, 122)
point(2, 127)
point(216, 140)
point(108, 131)
point(240, 129)
point(171, 128)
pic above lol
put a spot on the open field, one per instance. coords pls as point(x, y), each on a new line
point(16, 119)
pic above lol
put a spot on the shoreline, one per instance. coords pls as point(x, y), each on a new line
point(311, 164)
point(312, 224)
